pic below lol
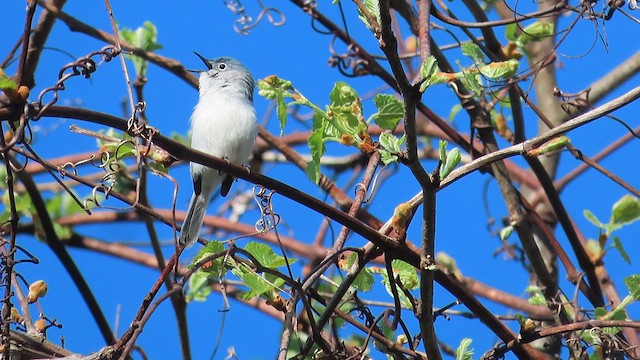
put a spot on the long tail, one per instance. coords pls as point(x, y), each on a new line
point(193, 221)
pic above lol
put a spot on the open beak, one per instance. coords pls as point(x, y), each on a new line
point(204, 60)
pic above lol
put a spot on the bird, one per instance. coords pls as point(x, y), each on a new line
point(223, 124)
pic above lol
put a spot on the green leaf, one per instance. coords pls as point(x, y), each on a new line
point(430, 73)
point(535, 295)
point(145, 38)
point(617, 244)
point(364, 280)
point(374, 9)
point(510, 31)
point(632, 283)
point(317, 148)
point(537, 31)
point(505, 232)
point(626, 210)
point(345, 110)
point(442, 150)
point(390, 147)
point(313, 171)
point(452, 160)
point(6, 83)
point(216, 266)
point(500, 69)
point(266, 256)
point(472, 81)
point(275, 88)
point(390, 111)
point(199, 288)
point(463, 352)
point(407, 273)
point(593, 219)
point(472, 50)
point(257, 284)
point(454, 111)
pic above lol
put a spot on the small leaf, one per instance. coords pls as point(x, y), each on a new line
point(442, 150)
point(390, 147)
point(535, 295)
point(500, 69)
point(364, 280)
point(6, 83)
point(472, 81)
point(463, 352)
point(505, 232)
point(374, 9)
point(430, 73)
point(313, 171)
point(510, 31)
point(626, 210)
point(407, 273)
point(472, 50)
point(552, 145)
point(199, 288)
point(617, 244)
point(537, 31)
point(453, 159)
point(390, 111)
point(265, 255)
point(454, 111)
point(257, 284)
point(212, 248)
point(275, 88)
point(593, 219)
point(632, 283)
point(145, 38)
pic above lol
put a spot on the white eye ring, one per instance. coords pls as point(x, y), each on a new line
point(222, 66)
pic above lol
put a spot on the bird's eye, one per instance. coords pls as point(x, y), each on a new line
point(222, 66)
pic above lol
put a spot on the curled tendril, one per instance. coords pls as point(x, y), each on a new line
point(17, 134)
point(84, 66)
point(268, 219)
point(349, 64)
point(245, 23)
point(94, 195)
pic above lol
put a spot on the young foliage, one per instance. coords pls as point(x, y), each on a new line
point(146, 38)
point(403, 272)
point(463, 352)
point(364, 280)
point(449, 160)
point(341, 121)
point(624, 212)
point(470, 77)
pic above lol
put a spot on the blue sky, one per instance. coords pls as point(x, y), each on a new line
point(295, 52)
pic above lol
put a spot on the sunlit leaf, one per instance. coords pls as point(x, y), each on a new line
point(472, 50)
point(374, 9)
point(617, 244)
point(463, 352)
point(632, 283)
point(390, 111)
point(364, 280)
point(452, 160)
point(626, 210)
point(593, 219)
point(537, 31)
point(500, 69)
point(265, 255)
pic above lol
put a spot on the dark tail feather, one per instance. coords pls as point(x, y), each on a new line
point(193, 221)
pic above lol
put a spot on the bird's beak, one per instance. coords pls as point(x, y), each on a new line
point(204, 60)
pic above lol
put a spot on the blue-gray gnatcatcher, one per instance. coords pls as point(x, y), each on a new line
point(223, 124)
